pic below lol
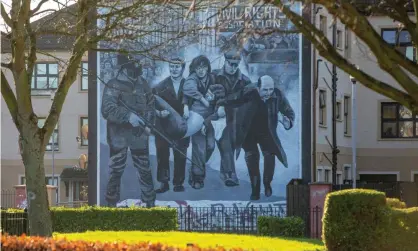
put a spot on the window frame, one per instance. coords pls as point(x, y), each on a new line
point(56, 143)
point(398, 44)
point(323, 26)
point(347, 112)
point(339, 39)
point(82, 142)
point(35, 75)
point(322, 108)
point(397, 120)
point(338, 111)
point(84, 74)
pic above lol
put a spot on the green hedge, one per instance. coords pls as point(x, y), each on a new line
point(360, 219)
point(276, 226)
point(395, 203)
point(69, 220)
point(402, 230)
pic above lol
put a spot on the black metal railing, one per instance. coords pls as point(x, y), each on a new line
point(14, 223)
point(240, 220)
point(8, 199)
point(224, 219)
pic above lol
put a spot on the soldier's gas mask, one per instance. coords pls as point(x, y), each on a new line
point(129, 66)
point(133, 70)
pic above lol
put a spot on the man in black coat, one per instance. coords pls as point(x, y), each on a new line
point(233, 80)
point(124, 98)
point(171, 91)
point(258, 118)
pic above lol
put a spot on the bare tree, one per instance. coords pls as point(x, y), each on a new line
point(354, 15)
point(75, 24)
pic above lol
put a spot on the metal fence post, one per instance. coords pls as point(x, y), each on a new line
point(252, 218)
point(188, 217)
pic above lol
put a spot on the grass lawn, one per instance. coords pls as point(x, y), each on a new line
point(180, 239)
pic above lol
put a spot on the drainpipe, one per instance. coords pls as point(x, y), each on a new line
point(335, 150)
point(315, 63)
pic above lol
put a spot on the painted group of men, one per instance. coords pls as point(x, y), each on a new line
point(251, 112)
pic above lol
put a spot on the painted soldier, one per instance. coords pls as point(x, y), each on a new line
point(258, 117)
point(171, 91)
point(127, 101)
point(233, 80)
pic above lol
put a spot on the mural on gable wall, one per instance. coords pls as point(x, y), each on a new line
point(210, 119)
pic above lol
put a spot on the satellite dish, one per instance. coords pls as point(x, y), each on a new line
point(82, 161)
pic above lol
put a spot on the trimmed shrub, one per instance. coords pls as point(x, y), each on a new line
point(402, 230)
point(354, 219)
point(360, 219)
point(395, 203)
point(70, 220)
point(12, 243)
point(276, 226)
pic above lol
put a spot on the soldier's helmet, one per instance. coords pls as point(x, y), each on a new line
point(133, 67)
point(232, 55)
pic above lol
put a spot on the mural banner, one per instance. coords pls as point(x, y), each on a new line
point(204, 108)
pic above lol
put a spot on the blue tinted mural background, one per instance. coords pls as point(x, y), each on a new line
point(276, 55)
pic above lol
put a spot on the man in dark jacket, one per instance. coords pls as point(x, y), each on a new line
point(258, 118)
point(233, 80)
point(127, 99)
point(171, 91)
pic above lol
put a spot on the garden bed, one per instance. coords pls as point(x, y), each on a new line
point(181, 239)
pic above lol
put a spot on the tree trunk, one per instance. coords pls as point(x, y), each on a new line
point(33, 151)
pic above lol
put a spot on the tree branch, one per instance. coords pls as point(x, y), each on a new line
point(70, 73)
point(32, 50)
point(37, 8)
point(7, 65)
point(326, 50)
point(388, 58)
point(5, 16)
point(9, 98)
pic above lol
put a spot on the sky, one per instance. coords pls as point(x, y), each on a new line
point(50, 4)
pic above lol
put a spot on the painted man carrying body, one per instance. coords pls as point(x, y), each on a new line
point(171, 91)
point(200, 100)
point(233, 80)
point(259, 110)
point(124, 98)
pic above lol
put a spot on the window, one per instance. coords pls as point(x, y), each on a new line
point(54, 137)
point(327, 175)
point(322, 107)
point(319, 177)
point(401, 40)
point(83, 121)
point(45, 76)
point(397, 121)
point(323, 24)
point(79, 191)
point(84, 76)
point(347, 172)
point(339, 178)
point(346, 114)
point(347, 42)
point(339, 39)
point(338, 111)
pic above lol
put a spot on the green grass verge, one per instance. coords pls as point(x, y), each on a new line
point(180, 239)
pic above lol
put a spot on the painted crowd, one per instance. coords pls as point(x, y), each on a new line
point(207, 108)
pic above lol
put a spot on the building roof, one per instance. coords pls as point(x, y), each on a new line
point(48, 41)
point(74, 173)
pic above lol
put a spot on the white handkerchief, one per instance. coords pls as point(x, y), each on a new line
point(219, 126)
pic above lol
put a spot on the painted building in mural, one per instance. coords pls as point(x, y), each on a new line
point(210, 117)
